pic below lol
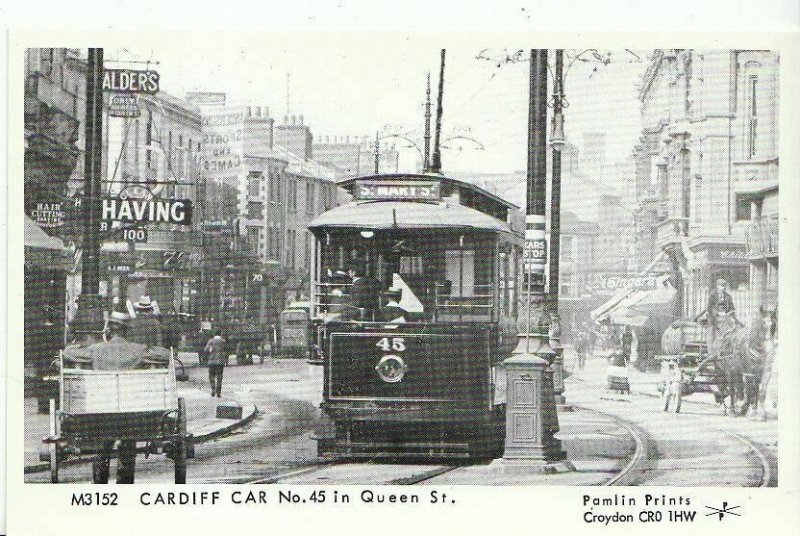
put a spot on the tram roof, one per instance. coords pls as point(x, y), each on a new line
point(350, 182)
point(378, 215)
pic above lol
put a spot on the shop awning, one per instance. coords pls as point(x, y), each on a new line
point(624, 298)
point(42, 250)
point(639, 307)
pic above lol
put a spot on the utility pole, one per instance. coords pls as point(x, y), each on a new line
point(557, 140)
point(377, 153)
point(536, 246)
point(89, 317)
point(529, 377)
point(426, 159)
point(436, 166)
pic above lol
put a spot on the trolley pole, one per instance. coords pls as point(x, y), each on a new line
point(557, 143)
point(377, 153)
point(529, 377)
point(89, 316)
point(426, 157)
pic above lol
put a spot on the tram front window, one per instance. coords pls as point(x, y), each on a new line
point(441, 279)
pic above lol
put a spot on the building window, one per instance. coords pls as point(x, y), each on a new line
point(255, 211)
point(752, 116)
point(567, 284)
point(274, 187)
point(566, 248)
point(742, 209)
point(292, 195)
point(310, 198)
point(252, 237)
point(254, 185)
point(47, 61)
point(307, 256)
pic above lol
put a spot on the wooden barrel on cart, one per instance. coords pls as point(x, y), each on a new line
point(680, 334)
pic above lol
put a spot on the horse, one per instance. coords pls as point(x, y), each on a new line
point(739, 355)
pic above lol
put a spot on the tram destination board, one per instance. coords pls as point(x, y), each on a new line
point(400, 190)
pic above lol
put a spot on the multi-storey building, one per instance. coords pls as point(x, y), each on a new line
point(157, 154)
point(55, 89)
point(707, 170)
point(279, 196)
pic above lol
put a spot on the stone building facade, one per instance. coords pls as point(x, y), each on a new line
point(707, 156)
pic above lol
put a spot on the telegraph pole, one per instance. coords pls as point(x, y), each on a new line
point(426, 159)
point(537, 177)
point(436, 165)
point(89, 317)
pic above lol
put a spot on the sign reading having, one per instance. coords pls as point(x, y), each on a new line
point(178, 211)
point(130, 81)
point(402, 190)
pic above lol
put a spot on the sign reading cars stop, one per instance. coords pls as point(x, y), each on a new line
point(535, 251)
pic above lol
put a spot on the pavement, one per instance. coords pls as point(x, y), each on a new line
point(201, 409)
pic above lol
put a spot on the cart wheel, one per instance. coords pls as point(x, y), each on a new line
point(52, 448)
point(180, 445)
point(101, 468)
point(180, 462)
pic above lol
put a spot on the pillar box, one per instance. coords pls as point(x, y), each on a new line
point(531, 417)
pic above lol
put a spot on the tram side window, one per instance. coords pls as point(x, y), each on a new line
point(460, 271)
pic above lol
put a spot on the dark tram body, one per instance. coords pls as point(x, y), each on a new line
point(423, 384)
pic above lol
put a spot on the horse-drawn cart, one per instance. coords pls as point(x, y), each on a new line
point(103, 412)
point(686, 368)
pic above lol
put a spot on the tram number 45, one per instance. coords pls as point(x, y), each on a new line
point(389, 344)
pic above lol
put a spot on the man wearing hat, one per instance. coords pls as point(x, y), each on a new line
point(145, 328)
point(116, 352)
point(365, 292)
point(720, 303)
point(392, 311)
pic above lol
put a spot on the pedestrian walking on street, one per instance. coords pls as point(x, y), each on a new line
point(217, 359)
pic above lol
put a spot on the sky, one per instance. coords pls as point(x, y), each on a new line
point(357, 84)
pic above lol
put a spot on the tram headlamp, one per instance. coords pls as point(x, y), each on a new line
point(391, 368)
point(367, 234)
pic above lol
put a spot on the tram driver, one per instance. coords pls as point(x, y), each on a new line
point(364, 293)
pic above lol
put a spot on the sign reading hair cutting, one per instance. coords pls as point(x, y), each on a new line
point(399, 190)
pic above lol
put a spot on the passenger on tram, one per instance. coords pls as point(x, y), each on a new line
point(392, 311)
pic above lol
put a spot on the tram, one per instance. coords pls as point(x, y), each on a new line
point(293, 330)
point(421, 384)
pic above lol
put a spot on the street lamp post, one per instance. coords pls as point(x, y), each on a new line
point(557, 143)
